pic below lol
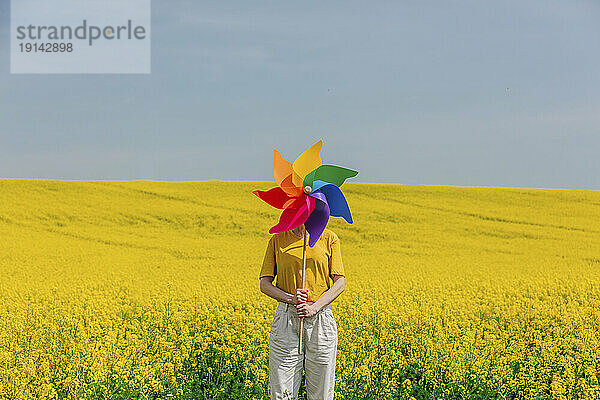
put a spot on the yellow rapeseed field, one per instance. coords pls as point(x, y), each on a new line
point(127, 290)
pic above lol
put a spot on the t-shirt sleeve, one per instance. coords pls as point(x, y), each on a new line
point(336, 267)
point(269, 267)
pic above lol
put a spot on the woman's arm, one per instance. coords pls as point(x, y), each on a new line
point(267, 287)
point(308, 310)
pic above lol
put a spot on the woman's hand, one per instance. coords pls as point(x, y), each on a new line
point(300, 297)
point(306, 310)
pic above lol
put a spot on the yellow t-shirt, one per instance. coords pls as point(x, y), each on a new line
point(283, 259)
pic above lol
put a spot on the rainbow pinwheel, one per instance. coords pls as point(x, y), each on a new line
point(307, 192)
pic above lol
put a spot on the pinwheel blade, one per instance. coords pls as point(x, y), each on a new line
point(338, 206)
point(316, 222)
point(307, 162)
point(284, 175)
point(330, 174)
point(318, 184)
point(278, 198)
point(288, 186)
point(294, 217)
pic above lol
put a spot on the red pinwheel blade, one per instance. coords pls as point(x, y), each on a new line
point(294, 217)
point(278, 198)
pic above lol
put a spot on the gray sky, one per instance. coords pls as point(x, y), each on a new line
point(468, 93)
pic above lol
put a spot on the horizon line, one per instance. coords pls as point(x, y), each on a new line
point(260, 181)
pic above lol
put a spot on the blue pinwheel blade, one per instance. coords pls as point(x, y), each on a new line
point(338, 205)
point(318, 184)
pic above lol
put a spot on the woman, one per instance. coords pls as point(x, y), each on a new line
point(283, 259)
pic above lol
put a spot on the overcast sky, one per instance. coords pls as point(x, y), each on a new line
point(468, 93)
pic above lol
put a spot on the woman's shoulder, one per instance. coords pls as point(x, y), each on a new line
point(329, 235)
point(276, 236)
point(279, 236)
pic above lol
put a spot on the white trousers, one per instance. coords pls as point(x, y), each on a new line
point(318, 356)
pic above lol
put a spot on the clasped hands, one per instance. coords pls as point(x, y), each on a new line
point(303, 309)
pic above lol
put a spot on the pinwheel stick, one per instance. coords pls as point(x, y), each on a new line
point(303, 284)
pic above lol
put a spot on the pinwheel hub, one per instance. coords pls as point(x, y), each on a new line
point(307, 189)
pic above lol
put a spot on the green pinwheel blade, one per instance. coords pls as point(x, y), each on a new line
point(329, 173)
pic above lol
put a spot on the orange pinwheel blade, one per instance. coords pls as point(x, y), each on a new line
point(284, 175)
point(282, 167)
point(288, 186)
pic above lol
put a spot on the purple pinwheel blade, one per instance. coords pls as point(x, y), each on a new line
point(338, 206)
point(317, 220)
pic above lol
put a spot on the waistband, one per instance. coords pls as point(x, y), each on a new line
point(290, 308)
